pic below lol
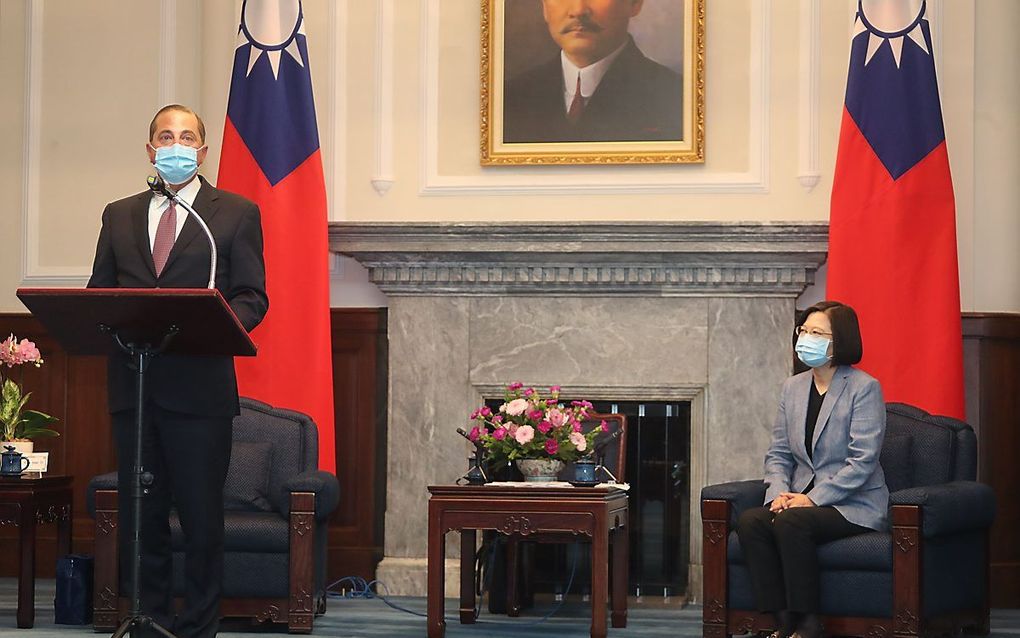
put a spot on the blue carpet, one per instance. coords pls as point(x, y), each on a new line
point(372, 618)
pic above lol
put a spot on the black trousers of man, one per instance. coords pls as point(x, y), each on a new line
point(781, 552)
point(188, 456)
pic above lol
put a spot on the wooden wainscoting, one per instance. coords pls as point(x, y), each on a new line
point(991, 356)
point(73, 389)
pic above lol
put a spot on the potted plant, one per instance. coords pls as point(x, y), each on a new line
point(19, 426)
point(535, 431)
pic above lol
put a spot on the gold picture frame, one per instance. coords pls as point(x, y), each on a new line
point(631, 116)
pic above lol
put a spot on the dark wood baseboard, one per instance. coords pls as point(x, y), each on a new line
point(991, 354)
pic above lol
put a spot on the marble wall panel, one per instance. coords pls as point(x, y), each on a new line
point(427, 402)
point(749, 356)
point(621, 341)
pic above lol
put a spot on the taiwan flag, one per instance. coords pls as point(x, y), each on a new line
point(271, 155)
point(892, 244)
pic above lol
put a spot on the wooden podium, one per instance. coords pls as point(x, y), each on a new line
point(142, 323)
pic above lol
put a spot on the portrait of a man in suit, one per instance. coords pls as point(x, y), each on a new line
point(598, 87)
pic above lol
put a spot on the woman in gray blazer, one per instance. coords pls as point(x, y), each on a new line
point(822, 475)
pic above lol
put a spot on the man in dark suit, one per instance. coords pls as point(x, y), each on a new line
point(145, 242)
point(601, 88)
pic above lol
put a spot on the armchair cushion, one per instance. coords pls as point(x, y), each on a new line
point(871, 551)
point(259, 532)
point(897, 461)
point(106, 481)
point(949, 508)
point(742, 495)
point(323, 484)
point(247, 486)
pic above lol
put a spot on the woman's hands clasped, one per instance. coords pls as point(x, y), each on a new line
point(786, 500)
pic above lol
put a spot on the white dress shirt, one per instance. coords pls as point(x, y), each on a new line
point(591, 75)
point(159, 203)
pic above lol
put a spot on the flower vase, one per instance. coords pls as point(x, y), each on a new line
point(539, 470)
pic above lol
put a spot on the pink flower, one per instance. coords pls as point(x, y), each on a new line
point(535, 415)
point(554, 389)
point(512, 428)
point(515, 407)
point(474, 415)
point(550, 403)
point(544, 427)
point(579, 441)
point(516, 385)
point(529, 392)
point(577, 426)
point(499, 434)
point(497, 419)
point(556, 417)
point(474, 434)
point(551, 446)
point(524, 434)
point(485, 411)
point(604, 426)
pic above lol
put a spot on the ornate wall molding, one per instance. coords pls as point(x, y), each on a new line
point(810, 54)
point(584, 258)
point(382, 171)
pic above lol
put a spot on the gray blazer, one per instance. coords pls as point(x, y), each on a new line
point(847, 443)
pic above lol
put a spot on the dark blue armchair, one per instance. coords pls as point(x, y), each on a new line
point(277, 506)
point(928, 574)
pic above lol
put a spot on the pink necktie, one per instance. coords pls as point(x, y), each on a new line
point(165, 236)
point(577, 104)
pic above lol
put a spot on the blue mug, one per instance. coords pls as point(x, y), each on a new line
point(13, 463)
point(584, 470)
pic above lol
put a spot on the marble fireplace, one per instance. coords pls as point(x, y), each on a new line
point(631, 311)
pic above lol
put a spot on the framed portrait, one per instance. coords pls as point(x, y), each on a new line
point(592, 82)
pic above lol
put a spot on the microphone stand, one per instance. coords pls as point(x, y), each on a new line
point(157, 185)
point(141, 479)
point(600, 456)
point(476, 473)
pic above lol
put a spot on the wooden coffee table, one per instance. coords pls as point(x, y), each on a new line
point(24, 503)
point(595, 513)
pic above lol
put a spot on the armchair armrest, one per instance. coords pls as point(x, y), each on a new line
point(946, 508)
point(742, 495)
point(323, 484)
point(102, 482)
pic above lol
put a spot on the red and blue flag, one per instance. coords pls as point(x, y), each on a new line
point(271, 155)
point(892, 226)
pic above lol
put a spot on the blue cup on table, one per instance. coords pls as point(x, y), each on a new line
point(12, 462)
point(584, 470)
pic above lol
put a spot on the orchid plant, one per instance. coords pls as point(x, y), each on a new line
point(530, 425)
point(17, 423)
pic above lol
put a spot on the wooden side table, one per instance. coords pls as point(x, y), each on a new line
point(24, 503)
point(598, 513)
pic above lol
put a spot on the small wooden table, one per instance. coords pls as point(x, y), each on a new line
point(598, 513)
point(25, 502)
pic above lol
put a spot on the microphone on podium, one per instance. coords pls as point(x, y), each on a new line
point(157, 185)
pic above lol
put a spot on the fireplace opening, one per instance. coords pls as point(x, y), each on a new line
point(658, 471)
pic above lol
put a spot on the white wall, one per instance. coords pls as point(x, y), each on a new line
point(396, 86)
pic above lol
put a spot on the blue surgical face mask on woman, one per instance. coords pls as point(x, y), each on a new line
point(813, 350)
point(177, 163)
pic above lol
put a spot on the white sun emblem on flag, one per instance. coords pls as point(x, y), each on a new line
point(890, 21)
point(271, 28)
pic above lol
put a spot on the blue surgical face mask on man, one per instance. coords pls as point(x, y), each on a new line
point(177, 163)
point(813, 350)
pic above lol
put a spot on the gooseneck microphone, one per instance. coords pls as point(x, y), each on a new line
point(157, 185)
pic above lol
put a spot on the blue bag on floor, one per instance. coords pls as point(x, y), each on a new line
point(73, 603)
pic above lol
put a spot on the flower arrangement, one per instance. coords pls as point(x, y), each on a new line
point(531, 426)
point(17, 423)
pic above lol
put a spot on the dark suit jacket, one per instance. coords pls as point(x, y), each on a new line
point(847, 443)
point(196, 385)
point(637, 100)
